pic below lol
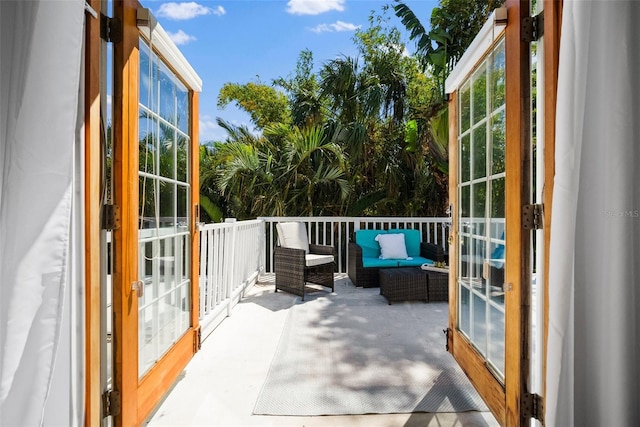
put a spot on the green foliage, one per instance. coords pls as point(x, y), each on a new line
point(304, 92)
point(264, 103)
point(411, 135)
point(365, 203)
point(454, 25)
point(213, 211)
point(362, 136)
point(439, 127)
point(286, 171)
point(160, 153)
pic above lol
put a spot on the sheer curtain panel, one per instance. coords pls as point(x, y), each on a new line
point(593, 375)
point(41, 330)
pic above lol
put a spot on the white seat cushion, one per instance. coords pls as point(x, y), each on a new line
point(312, 260)
point(293, 235)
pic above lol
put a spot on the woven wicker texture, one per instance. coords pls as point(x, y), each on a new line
point(438, 286)
point(292, 274)
point(403, 284)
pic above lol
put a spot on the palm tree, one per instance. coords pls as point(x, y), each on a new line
point(453, 27)
point(315, 172)
point(212, 203)
point(305, 101)
point(286, 171)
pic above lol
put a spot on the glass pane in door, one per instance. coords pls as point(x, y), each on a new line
point(481, 201)
point(163, 235)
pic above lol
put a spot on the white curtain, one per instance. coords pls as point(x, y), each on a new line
point(41, 329)
point(593, 359)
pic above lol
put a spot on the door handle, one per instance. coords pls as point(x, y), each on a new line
point(138, 287)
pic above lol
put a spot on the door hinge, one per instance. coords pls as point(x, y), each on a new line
point(111, 403)
point(532, 406)
point(197, 339)
point(533, 217)
point(532, 28)
point(110, 29)
point(447, 334)
point(110, 217)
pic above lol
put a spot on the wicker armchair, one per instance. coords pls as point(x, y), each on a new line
point(296, 262)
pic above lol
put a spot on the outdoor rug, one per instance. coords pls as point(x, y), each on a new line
point(351, 353)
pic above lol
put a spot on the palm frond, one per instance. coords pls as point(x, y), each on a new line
point(365, 202)
point(213, 211)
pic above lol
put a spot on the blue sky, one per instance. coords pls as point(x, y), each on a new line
point(241, 41)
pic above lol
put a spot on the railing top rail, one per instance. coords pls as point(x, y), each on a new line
point(320, 219)
point(219, 225)
point(356, 218)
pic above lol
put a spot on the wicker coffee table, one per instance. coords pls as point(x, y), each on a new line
point(403, 284)
point(438, 281)
point(413, 283)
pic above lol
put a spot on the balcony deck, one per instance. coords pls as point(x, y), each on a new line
point(221, 384)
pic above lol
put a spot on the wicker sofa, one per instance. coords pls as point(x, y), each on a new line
point(364, 252)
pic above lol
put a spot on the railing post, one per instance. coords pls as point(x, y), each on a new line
point(203, 270)
point(232, 262)
point(262, 241)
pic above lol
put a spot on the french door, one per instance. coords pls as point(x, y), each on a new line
point(155, 155)
point(492, 192)
point(479, 311)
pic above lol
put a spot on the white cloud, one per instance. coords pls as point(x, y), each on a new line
point(313, 7)
point(218, 11)
point(335, 27)
point(180, 37)
point(209, 130)
point(187, 10)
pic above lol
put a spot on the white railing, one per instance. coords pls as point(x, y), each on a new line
point(231, 258)
point(338, 231)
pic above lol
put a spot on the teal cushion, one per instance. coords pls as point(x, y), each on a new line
point(374, 262)
point(497, 257)
point(366, 240)
point(411, 241)
point(498, 252)
point(415, 262)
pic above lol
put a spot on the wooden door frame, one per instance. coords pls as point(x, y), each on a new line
point(92, 198)
point(466, 355)
point(504, 401)
point(552, 24)
point(140, 396)
point(125, 196)
point(518, 240)
point(517, 377)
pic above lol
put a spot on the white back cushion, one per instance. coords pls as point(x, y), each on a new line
point(392, 246)
point(293, 235)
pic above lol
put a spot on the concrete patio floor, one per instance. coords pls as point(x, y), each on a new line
point(221, 384)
